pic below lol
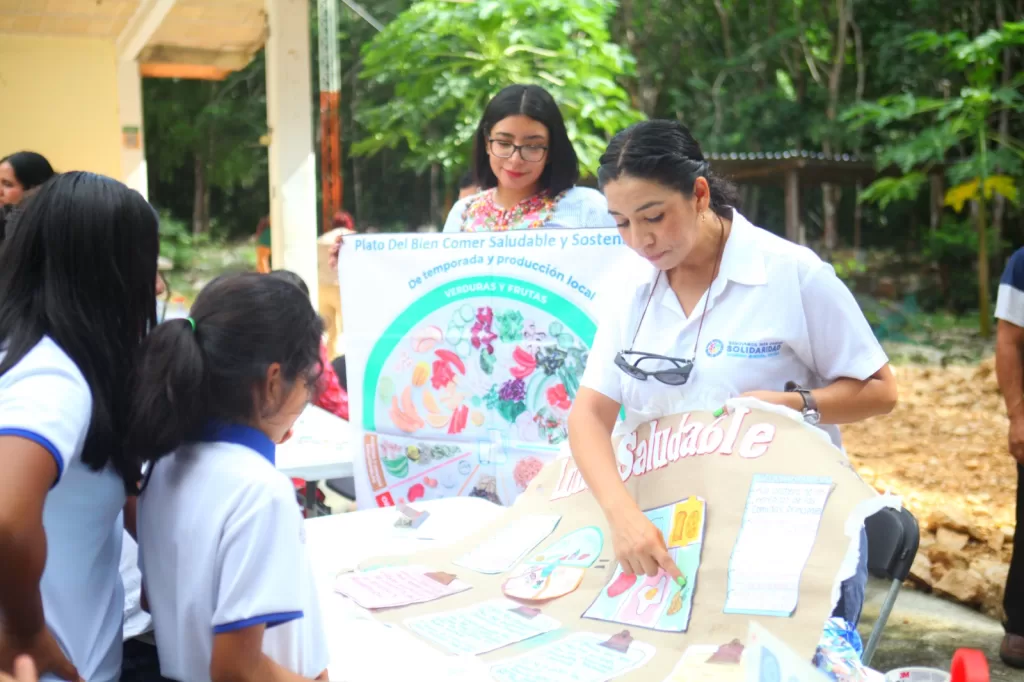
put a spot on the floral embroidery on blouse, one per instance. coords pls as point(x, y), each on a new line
point(483, 215)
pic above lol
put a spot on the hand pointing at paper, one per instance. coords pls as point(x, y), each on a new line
point(639, 545)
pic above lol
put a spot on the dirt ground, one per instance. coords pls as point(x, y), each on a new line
point(943, 450)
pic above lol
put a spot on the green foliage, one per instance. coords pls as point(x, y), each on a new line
point(178, 243)
point(428, 93)
point(884, 191)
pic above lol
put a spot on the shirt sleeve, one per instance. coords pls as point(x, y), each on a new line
point(1010, 300)
point(840, 339)
point(260, 555)
point(49, 405)
point(582, 207)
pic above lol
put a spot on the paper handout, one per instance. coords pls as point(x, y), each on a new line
point(580, 657)
point(780, 522)
point(501, 551)
point(658, 602)
point(483, 627)
point(556, 570)
point(768, 659)
point(697, 665)
point(392, 586)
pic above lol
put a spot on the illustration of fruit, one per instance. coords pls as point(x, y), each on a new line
point(420, 374)
point(413, 453)
point(430, 403)
point(525, 364)
point(431, 482)
point(426, 338)
point(477, 417)
point(405, 417)
point(621, 584)
point(416, 492)
point(438, 421)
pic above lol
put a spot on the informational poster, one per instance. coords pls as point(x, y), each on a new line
point(465, 355)
point(580, 657)
point(483, 627)
point(780, 520)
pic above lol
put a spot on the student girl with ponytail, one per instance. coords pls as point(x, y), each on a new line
point(220, 534)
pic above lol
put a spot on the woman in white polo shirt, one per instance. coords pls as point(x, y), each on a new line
point(221, 541)
point(77, 275)
point(720, 309)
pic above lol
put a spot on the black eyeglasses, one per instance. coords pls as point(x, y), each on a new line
point(503, 149)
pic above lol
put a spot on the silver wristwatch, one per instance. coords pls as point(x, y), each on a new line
point(810, 408)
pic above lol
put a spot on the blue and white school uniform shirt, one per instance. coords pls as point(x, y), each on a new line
point(44, 398)
point(1010, 301)
point(222, 548)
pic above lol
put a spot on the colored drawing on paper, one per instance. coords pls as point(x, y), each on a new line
point(780, 520)
point(539, 582)
point(489, 365)
point(579, 657)
point(397, 586)
point(482, 627)
point(658, 602)
point(580, 548)
point(557, 569)
point(501, 551)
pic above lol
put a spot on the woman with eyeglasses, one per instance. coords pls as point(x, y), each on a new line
point(721, 308)
point(526, 166)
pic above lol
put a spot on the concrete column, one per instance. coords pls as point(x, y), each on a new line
point(129, 109)
point(292, 161)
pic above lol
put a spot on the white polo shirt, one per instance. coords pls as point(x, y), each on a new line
point(221, 548)
point(45, 399)
point(777, 313)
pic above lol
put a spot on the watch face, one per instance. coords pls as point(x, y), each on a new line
point(812, 417)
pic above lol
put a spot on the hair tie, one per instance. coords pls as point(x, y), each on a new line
point(192, 323)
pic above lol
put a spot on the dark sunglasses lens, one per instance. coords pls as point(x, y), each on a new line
point(674, 377)
point(629, 369)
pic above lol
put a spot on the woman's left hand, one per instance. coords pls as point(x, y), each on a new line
point(791, 399)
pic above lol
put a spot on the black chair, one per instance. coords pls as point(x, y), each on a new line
point(893, 540)
point(346, 487)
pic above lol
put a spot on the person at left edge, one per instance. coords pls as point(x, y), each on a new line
point(221, 539)
point(77, 294)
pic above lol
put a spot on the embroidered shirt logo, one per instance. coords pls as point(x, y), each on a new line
point(714, 348)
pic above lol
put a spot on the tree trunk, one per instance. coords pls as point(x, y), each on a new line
point(435, 194)
point(999, 201)
point(858, 215)
point(200, 197)
point(830, 193)
point(984, 316)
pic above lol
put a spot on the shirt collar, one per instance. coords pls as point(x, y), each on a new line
point(742, 261)
point(240, 434)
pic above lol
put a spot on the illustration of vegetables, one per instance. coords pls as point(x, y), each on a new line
point(510, 326)
point(459, 418)
point(481, 333)
point(511, 397)
point(487, 362)
point(676, 605)
point(558, 397)
point(525, 364)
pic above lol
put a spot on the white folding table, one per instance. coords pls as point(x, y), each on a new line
point(318, 450)
point(363, 649)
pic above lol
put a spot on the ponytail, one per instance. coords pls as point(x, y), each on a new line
point(213, 365)
point(169, 392)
